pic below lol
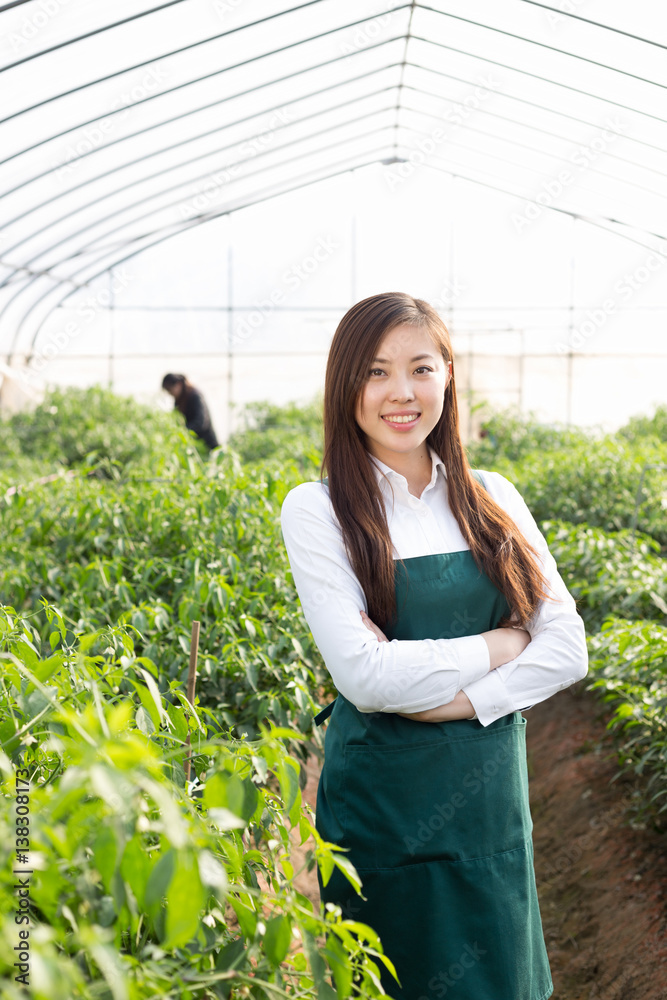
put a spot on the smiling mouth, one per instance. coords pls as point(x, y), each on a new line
point(401, 420)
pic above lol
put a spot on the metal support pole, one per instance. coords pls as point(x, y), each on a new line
point(230, 327)
point(353, 253)
point(112, 329)
point(570, 353)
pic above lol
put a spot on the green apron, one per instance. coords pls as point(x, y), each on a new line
point(436, 818)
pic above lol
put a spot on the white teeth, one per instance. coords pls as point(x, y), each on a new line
point(402, 420)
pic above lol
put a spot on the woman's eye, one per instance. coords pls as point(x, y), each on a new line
point(424, 368)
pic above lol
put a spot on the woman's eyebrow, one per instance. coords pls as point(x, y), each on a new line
point(419, 357)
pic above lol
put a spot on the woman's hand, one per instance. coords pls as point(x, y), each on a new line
point(459, 708)
point(505, 644)
point(373, 627)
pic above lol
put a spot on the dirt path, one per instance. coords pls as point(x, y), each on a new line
point(602, 883)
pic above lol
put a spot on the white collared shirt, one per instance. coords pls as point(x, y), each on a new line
point(405, 675)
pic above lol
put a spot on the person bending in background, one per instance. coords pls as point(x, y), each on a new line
point(190, 402)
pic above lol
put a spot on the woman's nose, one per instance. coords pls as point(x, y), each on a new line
point(401, 390)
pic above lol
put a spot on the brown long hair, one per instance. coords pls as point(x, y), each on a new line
point(496, 543)
point(171, 379)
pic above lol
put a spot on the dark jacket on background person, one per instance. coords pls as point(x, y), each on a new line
point(198, 418)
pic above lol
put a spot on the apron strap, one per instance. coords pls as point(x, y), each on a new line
point(328, 709)
point(325, 713)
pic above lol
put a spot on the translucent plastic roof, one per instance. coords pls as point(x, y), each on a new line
point(124, 124)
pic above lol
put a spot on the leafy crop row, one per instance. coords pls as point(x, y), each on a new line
point(135, 882)
point(142, 884)
point(601, 501)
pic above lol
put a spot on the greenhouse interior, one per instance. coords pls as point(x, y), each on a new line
point(195, 195)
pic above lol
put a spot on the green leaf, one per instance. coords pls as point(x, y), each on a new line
point(105, 853)
point(144, 721)
point(157, 699)
point(277, 939)
point(160, 879)
point(247, 918)
point(135, 868)
point(339, 961)
point(317, 966)
point(288, 776)
point(228, 791)
point(185, 898)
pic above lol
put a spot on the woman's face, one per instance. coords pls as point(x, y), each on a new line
point(408, 377)
point(175, 390)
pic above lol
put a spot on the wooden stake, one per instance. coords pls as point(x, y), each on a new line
point(192, 681)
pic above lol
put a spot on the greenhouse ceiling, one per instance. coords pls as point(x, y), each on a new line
point(121, 120)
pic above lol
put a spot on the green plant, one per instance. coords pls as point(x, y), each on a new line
point(135, 887)
point(628, 664)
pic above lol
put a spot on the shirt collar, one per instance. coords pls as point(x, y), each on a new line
point(381, 470)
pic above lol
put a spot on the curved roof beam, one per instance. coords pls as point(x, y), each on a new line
point(541, 152)
point(543, 107)
point(205, 107)
point(403, 6)
point(89, 34)
point(544, 79)
point(598, 223)
point(334, 86)
point(158, 173)
point(179, 201)
point(190, 223)
point(194, 45)
point(542, 45)
point(16, 3)
point(605, 27)
point(142, 201)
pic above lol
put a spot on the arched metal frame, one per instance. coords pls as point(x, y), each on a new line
point(25, 275)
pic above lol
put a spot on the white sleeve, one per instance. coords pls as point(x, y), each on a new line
point(398, 676)
point(556, 656)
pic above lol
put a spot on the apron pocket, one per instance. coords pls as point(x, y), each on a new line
point(450, 799)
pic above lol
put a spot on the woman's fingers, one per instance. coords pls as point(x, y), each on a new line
point(373, 627)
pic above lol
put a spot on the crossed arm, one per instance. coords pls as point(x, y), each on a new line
point(504, 645)
point(491, 674)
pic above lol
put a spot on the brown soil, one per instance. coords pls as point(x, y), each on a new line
point(601, 878)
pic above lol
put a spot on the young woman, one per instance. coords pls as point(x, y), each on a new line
point(190, 402)
point(440, 614)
